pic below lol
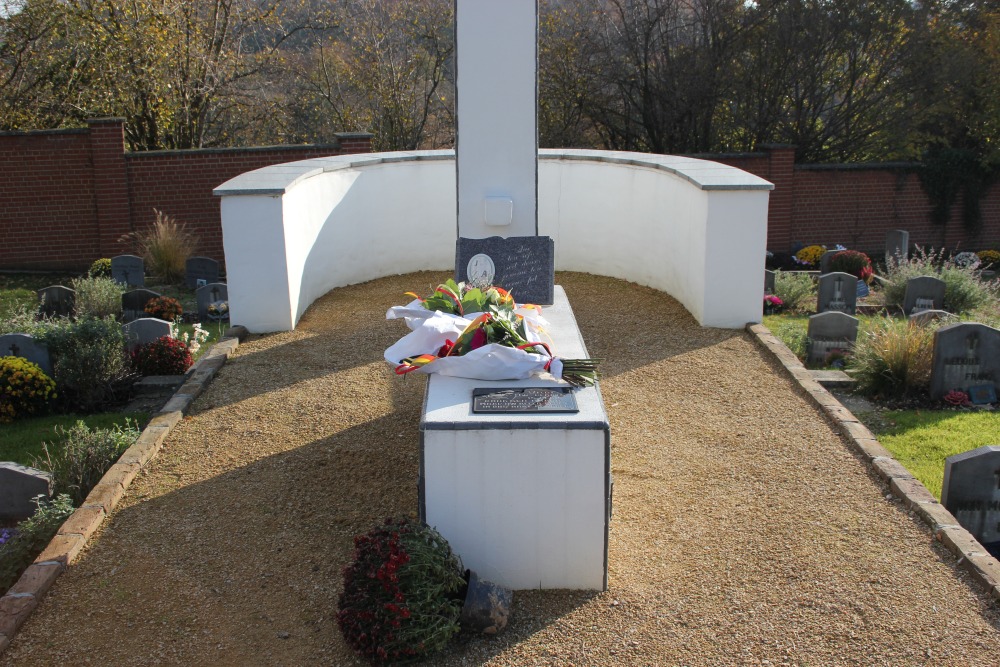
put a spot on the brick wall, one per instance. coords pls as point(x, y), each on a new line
point(67, 196)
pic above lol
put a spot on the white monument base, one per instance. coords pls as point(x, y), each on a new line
point(525, 498)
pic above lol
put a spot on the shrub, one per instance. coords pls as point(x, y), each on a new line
point(89, 361)
point(81, 456)
point(810, 255)
point(32, 536)
point(165, 247)
point(964, 291)
point(990, 259)
point(402, 593)
point(858, 264)
point(101, 268)
point(24, 389)
point(793, 289)
point(164, 356)
point(165, 308)
point(21, 319)
point(98, 297)
point(893, 357)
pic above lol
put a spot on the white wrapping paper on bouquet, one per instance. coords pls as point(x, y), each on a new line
point(431, 330)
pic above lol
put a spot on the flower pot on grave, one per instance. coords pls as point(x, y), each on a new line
point(487, 606)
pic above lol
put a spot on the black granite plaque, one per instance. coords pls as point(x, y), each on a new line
point(501, 400)
point(522, 265)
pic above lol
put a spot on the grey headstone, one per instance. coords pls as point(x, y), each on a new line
point(971, 491)
point(128, 270)
point(837, 291)
point(830, 331)
point(56, 301)
point(18, 485)
point(966, 354)
point(211, 293)
point(923, 293)
point(826, 259)
point(768, 282)
point(522, 265)
point(925, 317)
point(200, 268)
point(134, 303)
point(23, 345)
point(145, 330)
point(897, 244)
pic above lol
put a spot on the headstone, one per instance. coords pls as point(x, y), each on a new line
point(971, 492)
point(144, 330)
point(897, 245)
point(924, 317)
point(56, 301)
point(209, 294)
point(828, 332)
point(966, 355)
point(837, 291)
point(26, 347)
point(826, 259)
point(18, 485)
point(134, 303)
point(200, 268)
point(923, 293)
point(768, 282)
point(128, 270)
point(522, 265)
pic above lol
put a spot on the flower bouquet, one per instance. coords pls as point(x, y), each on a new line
point(218, 310)
point(465, 331)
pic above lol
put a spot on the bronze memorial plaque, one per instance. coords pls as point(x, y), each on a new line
point(523, 399)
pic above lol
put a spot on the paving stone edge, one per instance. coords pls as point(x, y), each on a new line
point(983, 567)
point(25, 596)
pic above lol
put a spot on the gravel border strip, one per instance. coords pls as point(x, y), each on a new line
point(984, 568)
point(25, 596)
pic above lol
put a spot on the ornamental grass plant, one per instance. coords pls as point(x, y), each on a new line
point(893, 357)
point(164, 247)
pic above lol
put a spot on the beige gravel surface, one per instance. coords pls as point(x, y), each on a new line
point(745, 532)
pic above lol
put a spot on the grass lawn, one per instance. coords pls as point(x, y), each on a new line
point(19, 289)
point(23, 439)
point(922, 439)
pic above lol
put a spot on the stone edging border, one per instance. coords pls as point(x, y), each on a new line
point(984, 568)
point(25, 596)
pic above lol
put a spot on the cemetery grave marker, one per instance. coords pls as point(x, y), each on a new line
point(56, 301)
point(18, 485)
point(837, 291)
point(923, 293)
point(144, 330)
point(208, 294)
point(971, 491)
point(128, 270)
point(897, 245)
point(925, 317)
point(828, 332)
point(966, 355)
point(26, 347)
point(522, 265)
point(768, 282)
point(200, 268)
point(825, 260)
point(134, 303)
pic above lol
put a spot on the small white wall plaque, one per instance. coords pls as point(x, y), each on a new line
point(499, 211)
point(481, 270)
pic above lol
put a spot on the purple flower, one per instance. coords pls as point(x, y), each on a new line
point(7, 534)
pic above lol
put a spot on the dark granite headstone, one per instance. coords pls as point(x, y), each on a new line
point(128, 270)
point(145, 330)
point(56, 301)
point(837, 291)
point(134, 303)
point(200, 268)
point(830, 331)
point(209, 294)
point(826, 259)
point(18, 485)
point(897, 245)
point(971, 492)
point(768, 282)
point(26, 347)
point(966, 354)
point(506, 400)
point(522, 265)
point(923, 293)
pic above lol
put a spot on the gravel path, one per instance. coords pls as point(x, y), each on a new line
point(744, 532)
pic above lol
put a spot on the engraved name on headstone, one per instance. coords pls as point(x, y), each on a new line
point(971, 492)
point(837, 291)
point(523, 399)
point(523, 265)
point(128, 270)
point(200, 268)
point(209, 294)
point(829, 332)
point(56, 301)
point(18, 485)
point(923, 293)
point(134, 303)
point(897, 245)
point(144, 330)
point(966, 354)
point(26, 347)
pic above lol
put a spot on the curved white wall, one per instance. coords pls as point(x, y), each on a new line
point(692, 228)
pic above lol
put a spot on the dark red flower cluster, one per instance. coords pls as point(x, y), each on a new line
point(165, 308)
point(857, 263)
point(164, 356)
